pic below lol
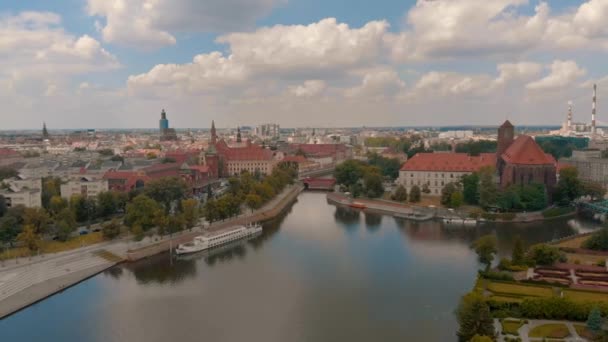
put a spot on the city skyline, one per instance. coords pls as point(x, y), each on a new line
point(84, 64)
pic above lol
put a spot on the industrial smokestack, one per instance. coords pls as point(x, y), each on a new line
point(569, 121)
point(593, 110)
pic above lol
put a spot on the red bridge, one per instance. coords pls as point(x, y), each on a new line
point(319, 183)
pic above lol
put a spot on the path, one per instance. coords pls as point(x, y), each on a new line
point(532, 323)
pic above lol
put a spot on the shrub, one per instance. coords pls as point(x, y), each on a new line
point(493, 275)
point(598, 240)
point(543, 254)
point(489, 216)
point(506, 216)
point(601, 263)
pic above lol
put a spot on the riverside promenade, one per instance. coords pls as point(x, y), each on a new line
point(26, 281)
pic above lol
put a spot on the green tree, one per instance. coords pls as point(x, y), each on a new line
point(106, 204)
point(509, 199)
point(30, 238)
point(37, 218)
point(474, 318)
point(456, 199)
point(593, 189)
point(598, 240)
point(140, 212)
point(470, 191)
point(446, 193)
point(533, 196)
point(56, 204)
point(488, 191)
point(65, 223)
point(518, 255)
point(166, 191)
point(543, 254)
point(415, 195)
point(253, 201)
point(3, 207)
point(211, 210)
point(425, 188)
point(373, 184)
point(175, 223)
point(190, 212)
point(138, 232)
point(568, 187)
point(9, 229)
point(161, 221)
point(485, 247)
point(400, 194)
point(111, 229)
point(50, 187)
point(595, 321)
point(348, 173)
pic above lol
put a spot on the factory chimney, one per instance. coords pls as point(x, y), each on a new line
point(569, 122)
point(593, 110)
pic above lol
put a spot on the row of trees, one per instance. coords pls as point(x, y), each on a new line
point(253, 191)
point(401, 194)
point(539, 254)
point(360, 178)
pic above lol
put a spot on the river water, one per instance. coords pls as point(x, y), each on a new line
point(318, 273)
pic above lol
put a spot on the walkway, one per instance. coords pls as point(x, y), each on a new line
point(532, 323)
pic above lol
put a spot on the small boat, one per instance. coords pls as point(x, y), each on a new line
point(205, 241)
point(357, 205)
point(414, 216)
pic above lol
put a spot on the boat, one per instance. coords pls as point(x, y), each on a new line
point(357, 205)
point(211, 252)
point(210, 240)
point(460, 221)
point(414, 216)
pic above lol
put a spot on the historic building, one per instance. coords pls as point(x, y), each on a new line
point(521, 161)
point(166, 133)
point(438, 169)
point(226, 161)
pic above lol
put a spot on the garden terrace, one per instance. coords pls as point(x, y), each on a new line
point(552, 330)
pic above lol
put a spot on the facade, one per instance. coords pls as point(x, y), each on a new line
point(85, 186)
point(438, 169)
point(271, 131)
point(23, 191)
point(521, 161)
point(590, 165)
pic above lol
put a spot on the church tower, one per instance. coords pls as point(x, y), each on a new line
point(506, 135)
point(213, 133)
point(238, 135)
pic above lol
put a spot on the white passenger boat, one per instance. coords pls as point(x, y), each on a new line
point(210, 240)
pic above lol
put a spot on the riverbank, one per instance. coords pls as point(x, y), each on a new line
point(269, 211)
point(402, 210)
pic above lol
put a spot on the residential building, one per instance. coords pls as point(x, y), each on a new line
point(590, 165)
point(85, 186)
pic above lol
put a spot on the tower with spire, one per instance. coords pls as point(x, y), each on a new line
point(45, 132)
point(213, 133)
point(238, 135)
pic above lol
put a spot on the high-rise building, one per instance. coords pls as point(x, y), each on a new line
point(163, 122)
point(166, 133)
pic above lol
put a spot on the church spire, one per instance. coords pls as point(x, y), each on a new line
point(45, 132)
point(238, 134)
point(213, 133)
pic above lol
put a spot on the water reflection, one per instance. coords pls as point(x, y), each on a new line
point(373, 221)
point(161, 269)
point(348, 216)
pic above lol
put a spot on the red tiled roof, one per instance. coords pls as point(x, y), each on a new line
point(525, 151)
point(6, 152)
point(296, 159)
point(324, 149)
point(249, 152)
point(457, 162)
point(200, 168)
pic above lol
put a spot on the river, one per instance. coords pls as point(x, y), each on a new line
point(317, 273)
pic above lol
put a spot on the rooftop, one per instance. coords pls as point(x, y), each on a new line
point(457, 162)
point(525, 151)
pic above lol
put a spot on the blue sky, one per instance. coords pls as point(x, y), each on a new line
point(99, 63)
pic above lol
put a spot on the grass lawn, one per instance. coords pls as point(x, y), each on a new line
point(585, 296)
point(582, 330)
point(574, 242)
point(522, 290)
point(511, 326)
point(556, 330)
point(585, 259)
point(55, 246)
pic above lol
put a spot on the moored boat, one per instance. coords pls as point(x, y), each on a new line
point(206, 241)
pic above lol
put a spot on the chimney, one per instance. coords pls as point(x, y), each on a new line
point(569, 125)
point(593, 110)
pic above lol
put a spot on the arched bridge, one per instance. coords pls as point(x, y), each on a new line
point(319, 183)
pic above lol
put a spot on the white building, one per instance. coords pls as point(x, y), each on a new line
point(85, 186)
point(30, 198)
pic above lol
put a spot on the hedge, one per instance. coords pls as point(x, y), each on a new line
point(557, 211)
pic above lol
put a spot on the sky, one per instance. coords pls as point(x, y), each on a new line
point(300, 63)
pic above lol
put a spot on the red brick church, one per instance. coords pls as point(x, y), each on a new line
point(521, 161)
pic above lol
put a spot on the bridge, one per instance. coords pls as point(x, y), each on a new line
point(600, 207)
point(326, 184)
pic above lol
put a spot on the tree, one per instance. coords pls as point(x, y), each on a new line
point(598, 240)
point(348, 173)
point(474, 318)
point(533, 196)
point(456, 199)
point(7, 172)
point(175, 223)
point(111, 230)
point(56, 204)
point(518, 255)
point(38, 218)
point(3, 207)
point(138, 232)
point(568, 187)
point(30, 238)
point(595, 321)
point(488, 192)
point(9, 229)
point(106, 204)
point(373, 184)
point(166, 191)
point(50, 187)
point(425, 188)
point(543, 254)
point(140, 212)
point(190, 212)
point(253, 201)
point(446, 193)
point(415, 194)
point(400, 194)
point(485, 247)
point(470, 192)
point(161, 221)
point(593, 189)
point(65, 223)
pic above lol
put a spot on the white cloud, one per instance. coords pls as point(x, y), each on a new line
point(513, 72)
point(153, 23)
point(562, 74)
point(378, 84)
point(309, 88)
